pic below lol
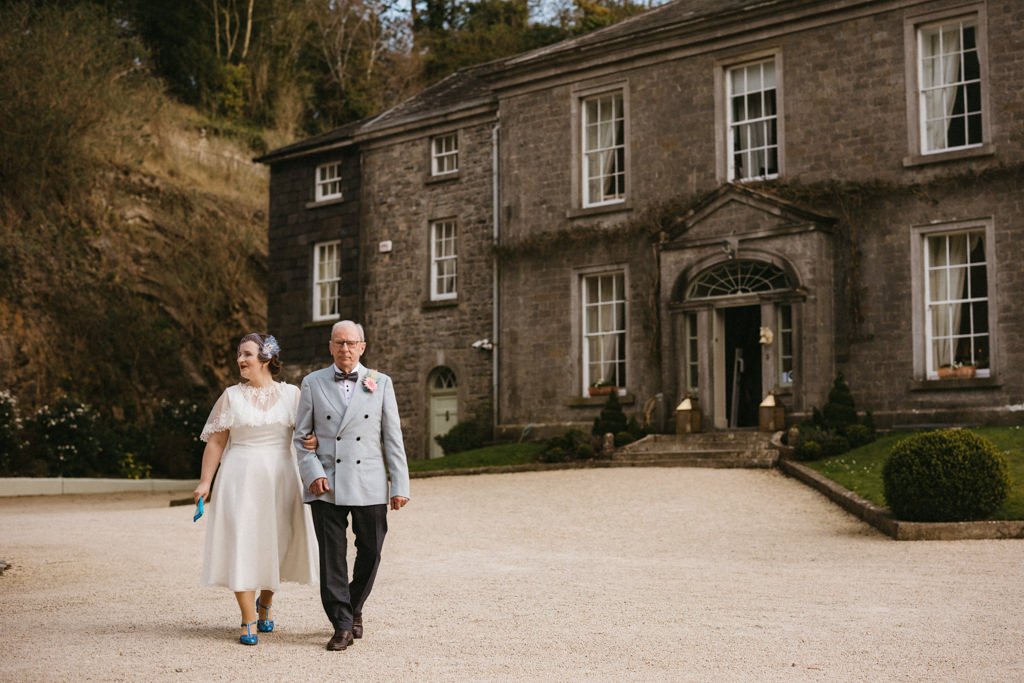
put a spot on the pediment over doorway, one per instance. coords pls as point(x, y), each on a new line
point(736, 210)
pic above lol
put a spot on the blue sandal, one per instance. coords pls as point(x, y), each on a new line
point(249, 638)
point(264, 625)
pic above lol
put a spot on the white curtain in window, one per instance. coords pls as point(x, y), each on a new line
point(606, 142)
point(605, 320)
point(942, 51)
point(947, 285)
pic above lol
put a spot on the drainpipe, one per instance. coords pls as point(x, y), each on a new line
point(495, 207)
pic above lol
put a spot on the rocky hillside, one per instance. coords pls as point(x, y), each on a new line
point(134, 285)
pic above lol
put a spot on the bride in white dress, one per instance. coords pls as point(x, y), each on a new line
point(259, 533)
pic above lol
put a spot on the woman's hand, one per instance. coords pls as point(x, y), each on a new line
point(202, 491)
point(310, 443)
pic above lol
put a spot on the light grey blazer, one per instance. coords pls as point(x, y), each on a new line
point(354, 442)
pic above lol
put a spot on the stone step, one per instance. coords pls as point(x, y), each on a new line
point(709, 449)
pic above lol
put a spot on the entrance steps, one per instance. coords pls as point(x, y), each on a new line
point(736, 448)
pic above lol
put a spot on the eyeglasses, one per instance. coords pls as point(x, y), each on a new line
point(347, 342)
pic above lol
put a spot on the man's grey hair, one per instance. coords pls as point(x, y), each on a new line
point(342, 323)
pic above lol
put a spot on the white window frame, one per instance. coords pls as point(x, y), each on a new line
point(692, 351)
point(595, 153)
point(328, 181)
point(921, 151)
point(444, 154)
point(444, 260)
point(926, 275)
point(786, 345)
point(760, 87)
point(327, 280)
point(594, 317)
point(942, 77)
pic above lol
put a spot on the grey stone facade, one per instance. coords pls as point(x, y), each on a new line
point(841, 231)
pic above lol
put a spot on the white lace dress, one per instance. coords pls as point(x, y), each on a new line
point(258, 533)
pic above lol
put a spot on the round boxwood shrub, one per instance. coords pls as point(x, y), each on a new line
point(945, 476)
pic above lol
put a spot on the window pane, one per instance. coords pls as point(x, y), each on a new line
point(754, 110)
point(737, 81)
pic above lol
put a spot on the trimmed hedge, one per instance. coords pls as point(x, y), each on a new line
point(950, 475)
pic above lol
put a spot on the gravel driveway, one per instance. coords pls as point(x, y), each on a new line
point(604, 574)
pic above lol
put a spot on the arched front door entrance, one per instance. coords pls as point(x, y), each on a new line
point(444, 407)
point(737, 331)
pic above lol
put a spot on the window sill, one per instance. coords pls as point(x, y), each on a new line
point(443, 178)
point(325, 202)
point(599, 210)
point(985, 150)
point(958, 384)
point(598, 401)
point(440, 303)
point(320, 323)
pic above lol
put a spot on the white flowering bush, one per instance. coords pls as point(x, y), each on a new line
point(66, 440)
point(10, 433)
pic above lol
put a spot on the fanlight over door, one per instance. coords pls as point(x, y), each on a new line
point(736, 278)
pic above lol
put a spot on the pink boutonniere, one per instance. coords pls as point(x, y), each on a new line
point(369, 382)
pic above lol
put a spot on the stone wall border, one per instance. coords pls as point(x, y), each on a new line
point(883, 520)
point(56, 486)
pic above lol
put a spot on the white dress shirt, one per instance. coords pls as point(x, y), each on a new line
point(347, 386)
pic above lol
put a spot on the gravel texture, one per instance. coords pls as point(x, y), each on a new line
point(605, 574)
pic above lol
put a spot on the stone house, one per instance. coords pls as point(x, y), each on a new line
point(715, 198)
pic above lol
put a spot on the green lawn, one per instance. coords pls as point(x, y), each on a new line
point(860, 470)
point(503, 454)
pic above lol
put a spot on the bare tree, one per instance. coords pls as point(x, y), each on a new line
point(227, 11)
point(351, 35)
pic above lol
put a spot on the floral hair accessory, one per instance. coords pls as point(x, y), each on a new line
point(369, 382)
point(270, 347)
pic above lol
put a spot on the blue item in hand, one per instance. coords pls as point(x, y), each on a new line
point(199, 511)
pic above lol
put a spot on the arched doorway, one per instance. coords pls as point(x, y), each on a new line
point(443, 401)
point(737, 326)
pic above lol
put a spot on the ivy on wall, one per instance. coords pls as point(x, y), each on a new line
point(850, 202)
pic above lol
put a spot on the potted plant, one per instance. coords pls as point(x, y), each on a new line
point(966, 371)
point(957, 370)
point(601, 388)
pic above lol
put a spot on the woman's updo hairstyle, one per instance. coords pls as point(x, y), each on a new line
point(268, 350)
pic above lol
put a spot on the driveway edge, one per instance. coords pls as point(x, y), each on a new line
point(883, 520)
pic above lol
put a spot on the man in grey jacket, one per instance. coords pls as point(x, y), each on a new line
point(354, 414)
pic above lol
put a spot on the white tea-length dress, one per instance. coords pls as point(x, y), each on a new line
point(259, 533)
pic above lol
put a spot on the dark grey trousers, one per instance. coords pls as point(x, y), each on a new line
point(343, 599)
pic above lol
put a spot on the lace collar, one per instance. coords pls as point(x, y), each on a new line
point(262, 398)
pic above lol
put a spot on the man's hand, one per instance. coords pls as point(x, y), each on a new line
point(398, 502)
point(319, 487)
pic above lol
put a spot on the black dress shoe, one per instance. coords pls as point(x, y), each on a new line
point(357, 626)
point(340, 640)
